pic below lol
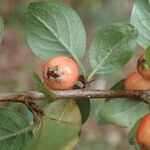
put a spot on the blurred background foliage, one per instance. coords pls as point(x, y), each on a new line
point(17, 63)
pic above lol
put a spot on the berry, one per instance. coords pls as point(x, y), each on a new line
point(143, 133)
point(60, 73)
point(136, 82)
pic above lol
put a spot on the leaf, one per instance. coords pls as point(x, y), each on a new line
point(85, 107)
point(132, 133)
point(147, 56)
point(137, 146)
point(121, 111)
point(40, 87)
point(119, 85)
point(54, 29)
point(141, 19)
point(103, 122)
point(15, 131)
point(55, 135)
point(21, 108)
point(37, 78)
point(60, 128)
point(112, 47)
point(64, 110)
point(1, 29)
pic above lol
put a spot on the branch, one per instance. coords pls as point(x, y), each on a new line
point(72, 94)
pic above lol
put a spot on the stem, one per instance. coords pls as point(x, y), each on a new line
point(20, 97)
point(74, 94)
point(92, 74)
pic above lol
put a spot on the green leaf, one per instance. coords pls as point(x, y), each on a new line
point(40, 87)
point(64, 110)
point(54, 29)
point(121, 111)
point(103, 122)
point(137, 146)
point(112, 47)
point(147, 56)
point(63, 123)
point(119, 85)
point(132, 133)
point(15, 131)
point(1, 29)
point(141, 19)
point(55, 135)
point(85, 107)
point(45, 91)
point(37, 78)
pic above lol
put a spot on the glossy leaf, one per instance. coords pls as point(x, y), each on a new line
point(85, 107)
point(112, 47)
point(147, 56)
point(121, 111)
point(1, 29)
point(54, 29)
point(15, 131)
point(141, 19)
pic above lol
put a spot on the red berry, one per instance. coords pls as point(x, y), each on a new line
point(60, 73)
point(143, 68)
point(143, 133)
point(136, 82)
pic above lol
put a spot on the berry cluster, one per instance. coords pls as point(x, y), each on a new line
point(140, 80)
point(61, 73)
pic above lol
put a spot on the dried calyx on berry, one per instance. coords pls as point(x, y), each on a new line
point(53, 73)
point(143, 67)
